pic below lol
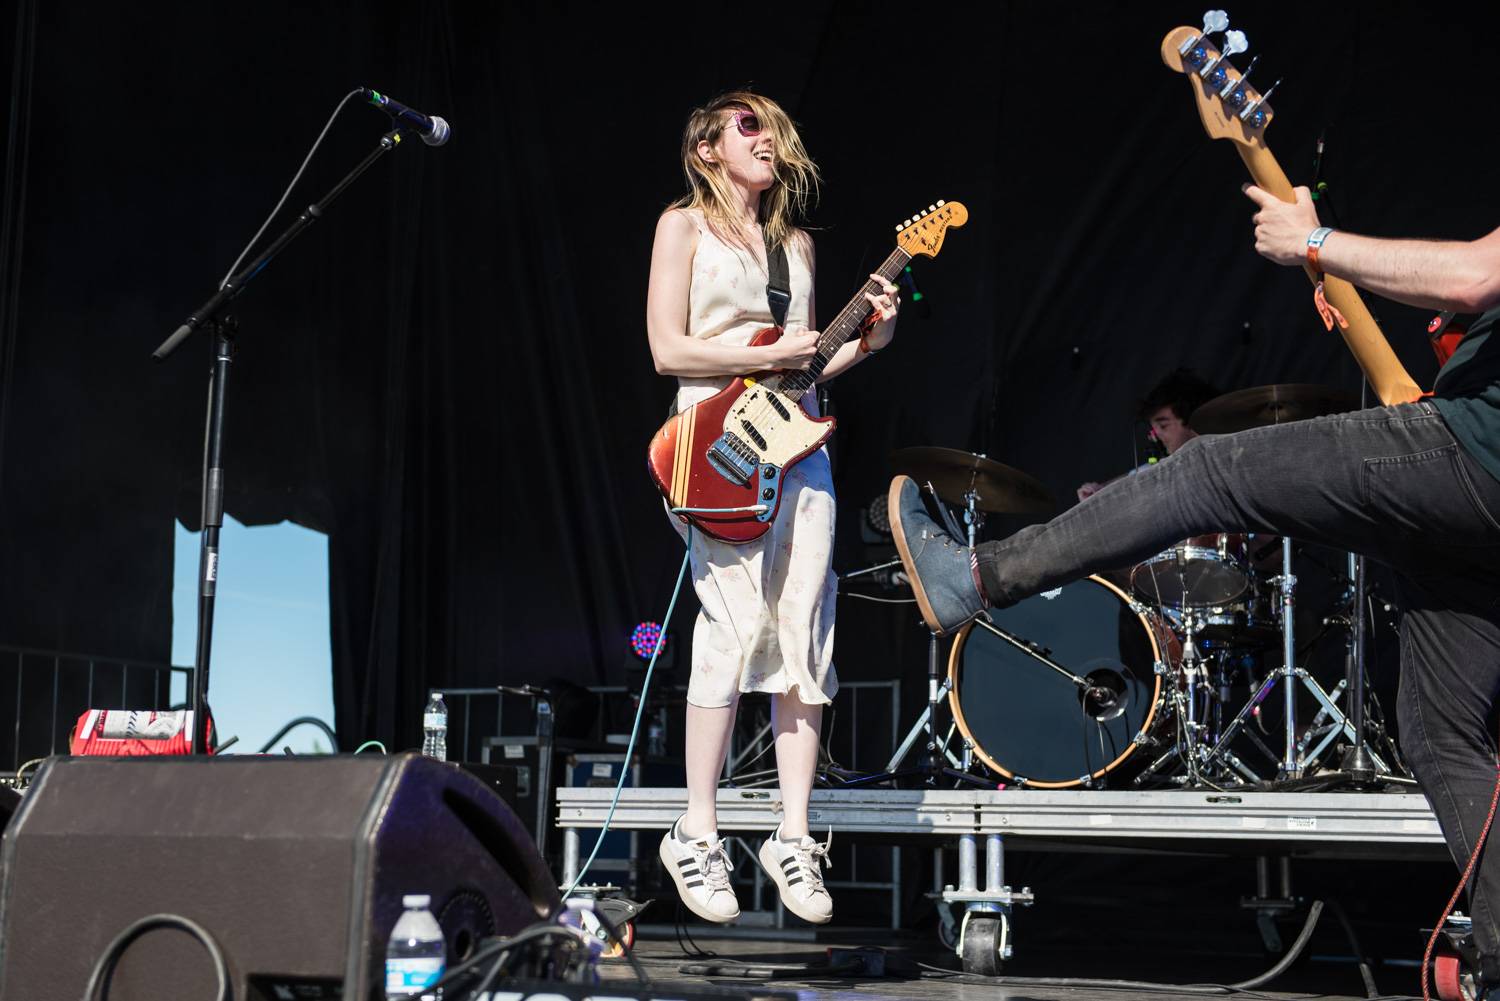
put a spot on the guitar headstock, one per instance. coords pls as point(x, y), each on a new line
point(923, 233)
point(1229, 106)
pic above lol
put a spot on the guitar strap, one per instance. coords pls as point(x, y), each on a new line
point(778, 294)
point(779, 287)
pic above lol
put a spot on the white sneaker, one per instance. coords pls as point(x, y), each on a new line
point(700, 868)
point(797, 869)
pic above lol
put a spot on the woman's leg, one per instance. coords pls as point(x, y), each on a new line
point(796, 726)
point(706, 741)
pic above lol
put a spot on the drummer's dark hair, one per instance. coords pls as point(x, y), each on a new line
point(1183, 390)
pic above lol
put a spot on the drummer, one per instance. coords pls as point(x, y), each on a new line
point(1167, 409)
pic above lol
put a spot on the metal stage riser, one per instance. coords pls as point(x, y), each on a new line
point(1331, 819)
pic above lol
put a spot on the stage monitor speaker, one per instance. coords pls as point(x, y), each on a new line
point(295, 866)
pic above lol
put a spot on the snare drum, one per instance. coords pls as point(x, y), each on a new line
point(1030, 722)
point(1202, 571)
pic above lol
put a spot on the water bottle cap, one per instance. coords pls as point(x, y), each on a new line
point(415, 900)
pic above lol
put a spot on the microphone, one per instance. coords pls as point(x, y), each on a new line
point(433, 130)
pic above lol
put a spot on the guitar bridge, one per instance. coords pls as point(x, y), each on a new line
point(732, 459)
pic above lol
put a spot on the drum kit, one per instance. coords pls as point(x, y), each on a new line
point(1130, 679)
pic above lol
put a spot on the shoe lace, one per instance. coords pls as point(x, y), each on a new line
point(812, 860)
point(714, 862)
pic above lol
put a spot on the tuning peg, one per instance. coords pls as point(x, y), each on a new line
point(1214, 21)
point(900, 227)
point(1233, 93)
point(1252, 115)
point(941, 203)
point(1234, 43)
point(932, 208)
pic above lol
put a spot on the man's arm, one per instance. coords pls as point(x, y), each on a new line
point(1463, 276)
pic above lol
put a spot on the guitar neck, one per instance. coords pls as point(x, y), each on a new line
point(1371, 350)
point(844, 326)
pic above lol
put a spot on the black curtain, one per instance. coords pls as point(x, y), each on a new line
point(448, 374)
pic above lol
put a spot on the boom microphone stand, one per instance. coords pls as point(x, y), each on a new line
point(210, 315)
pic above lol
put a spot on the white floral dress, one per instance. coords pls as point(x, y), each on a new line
point(766, 623)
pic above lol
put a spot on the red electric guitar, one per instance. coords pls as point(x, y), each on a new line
point(721, 463)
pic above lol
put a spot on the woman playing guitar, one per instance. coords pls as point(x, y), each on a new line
point(766, 623)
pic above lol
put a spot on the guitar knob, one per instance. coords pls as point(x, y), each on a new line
point(768, 473)
point(768, 493)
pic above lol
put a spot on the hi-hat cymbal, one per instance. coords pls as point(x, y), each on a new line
point(954, 473)
point(1259, 406)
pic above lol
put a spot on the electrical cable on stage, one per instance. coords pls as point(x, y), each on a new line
point(301, 721)
point(1244, 987)
point(287, 193)
point(371, 743)
point(104, 969)
point(635, 730)
point(1459, 889)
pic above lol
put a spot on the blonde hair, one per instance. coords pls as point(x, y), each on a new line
point(709, 191)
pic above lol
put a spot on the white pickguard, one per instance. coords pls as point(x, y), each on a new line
point(780, 421)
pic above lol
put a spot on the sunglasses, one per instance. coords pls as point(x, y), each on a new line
point(747, 122)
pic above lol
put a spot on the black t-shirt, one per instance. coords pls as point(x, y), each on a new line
point(1467, 392)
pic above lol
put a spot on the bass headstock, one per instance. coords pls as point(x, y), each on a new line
point(923, 233)
point(1228, 105)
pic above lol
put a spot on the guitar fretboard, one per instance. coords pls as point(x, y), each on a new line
point(843, 327)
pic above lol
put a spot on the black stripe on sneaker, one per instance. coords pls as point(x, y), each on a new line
point(691, 872)
point(788, 864)
point(794, 881)
point(693, 882)
point(683, 863)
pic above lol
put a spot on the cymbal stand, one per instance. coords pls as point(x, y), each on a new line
point(1293, 762)
point(1359, 761)
point(1186, 697)
point(941, 761)
point(1360, 765)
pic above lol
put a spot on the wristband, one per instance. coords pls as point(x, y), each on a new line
point(1315, 243)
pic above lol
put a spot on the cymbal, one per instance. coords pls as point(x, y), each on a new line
point(1259, 406)
point(998, 488)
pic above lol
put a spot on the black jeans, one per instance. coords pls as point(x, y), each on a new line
point(1391, 483)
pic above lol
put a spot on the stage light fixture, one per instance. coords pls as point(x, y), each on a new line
point(643, 639)
point(877, 516)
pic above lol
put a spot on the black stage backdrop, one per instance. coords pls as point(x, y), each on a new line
point(449, 374)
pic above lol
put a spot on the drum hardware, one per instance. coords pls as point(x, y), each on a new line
point(1261, 406)
point(1358, 761)
point(1290, 764)
point(941, 763)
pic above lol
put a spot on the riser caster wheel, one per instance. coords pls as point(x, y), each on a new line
point(984, 943)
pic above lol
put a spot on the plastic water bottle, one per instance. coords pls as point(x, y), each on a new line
point(416, 954)
point(435, 728)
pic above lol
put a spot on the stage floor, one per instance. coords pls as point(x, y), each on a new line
point(1331, 977)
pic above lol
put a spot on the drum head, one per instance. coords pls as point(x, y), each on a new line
point(1030, 722)
point(1194, 575)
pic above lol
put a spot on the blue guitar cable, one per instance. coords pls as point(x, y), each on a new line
point(636, 729)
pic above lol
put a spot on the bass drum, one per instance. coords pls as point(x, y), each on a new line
point(1013, 694)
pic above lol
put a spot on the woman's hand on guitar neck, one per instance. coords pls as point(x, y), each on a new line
point(1282, 228)
point(794, 351)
